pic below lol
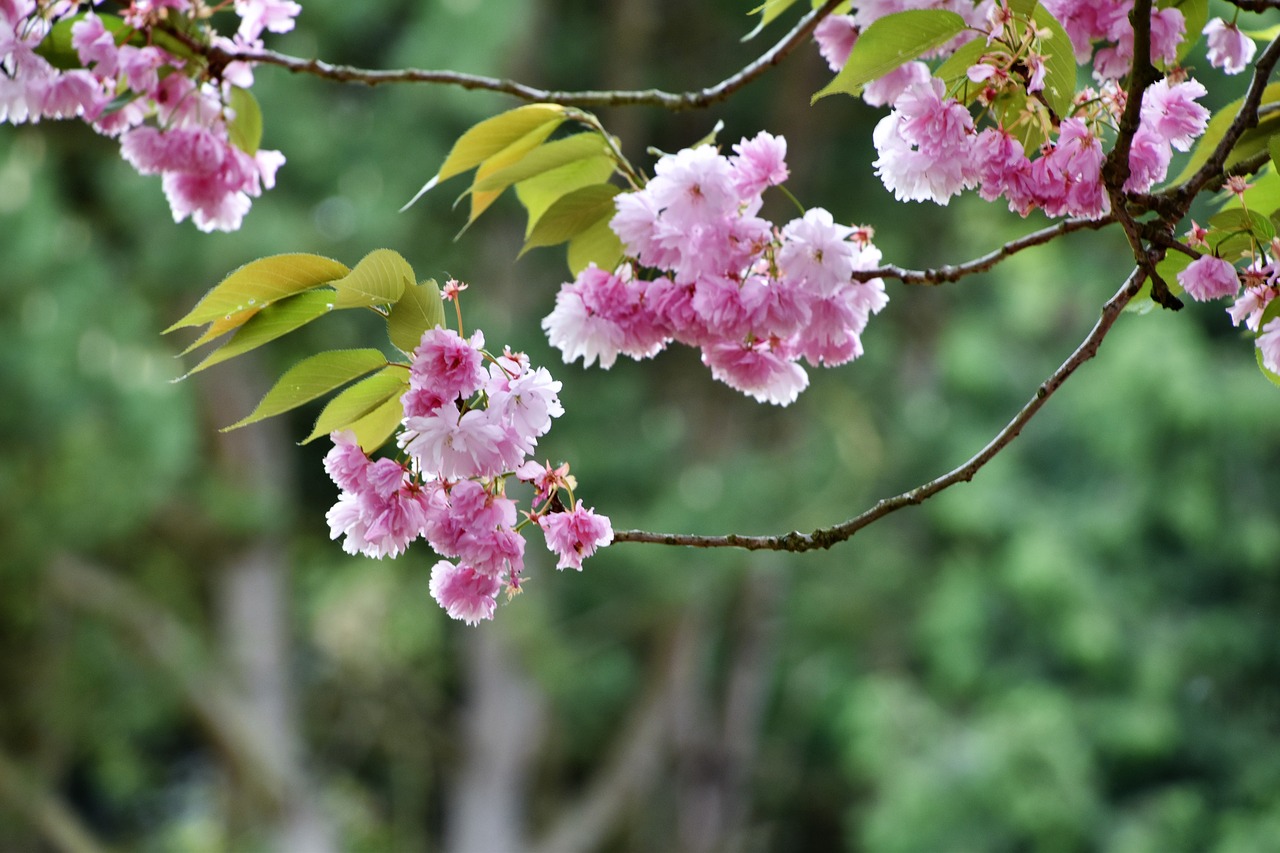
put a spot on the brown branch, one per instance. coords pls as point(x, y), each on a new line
point(823, 538)
point(674, 101)
point(982, 263)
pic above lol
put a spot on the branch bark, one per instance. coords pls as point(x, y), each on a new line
point(825, 537)
point(674, 101)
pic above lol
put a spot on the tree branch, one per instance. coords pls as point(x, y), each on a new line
point(982, 263)
point(823, 538)
point(674, 101)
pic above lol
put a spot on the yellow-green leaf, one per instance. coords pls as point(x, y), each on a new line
point(419, 309)
point(544, 158)
point(537, 194)
point(279, 318)
point(360, 399)
point(597, 244)
point(311, 378)
point(493, 134)
point(259, 283)
point(245, 128)
point(571, 214)
point(379, 279)
point(512, 154)
point(373, 430)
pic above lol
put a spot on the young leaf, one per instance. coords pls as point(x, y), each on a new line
point(892, 41)
point(492, 135)
point(572, 214)
point(379, 279)
point(278, 319)
point(220, 327)
point(596, 244)
point(1195, 14)
point(511, 155)
point(768, 11)
point(543, 159)
point(361, 399)
point(245, 129)
point(537, 194)
point(311, 378)
point(1244, 220)
point(259, 283)
point(419, 309)
point(373, 430)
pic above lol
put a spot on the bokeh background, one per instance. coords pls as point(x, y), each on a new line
point(1076, 651)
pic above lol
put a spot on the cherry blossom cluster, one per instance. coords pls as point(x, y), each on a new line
point(471, 421)
point(705, 270)
point(171, 112)
point(930, 146)
point(1210, 277)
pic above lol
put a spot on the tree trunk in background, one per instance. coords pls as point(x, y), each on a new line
point(501, 727)
point(252, 601)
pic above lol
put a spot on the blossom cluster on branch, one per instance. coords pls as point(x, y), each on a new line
point(471, 421)
point(706, 270)
point(137, 77)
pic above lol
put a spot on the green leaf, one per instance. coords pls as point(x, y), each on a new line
point(278, 319)
point(1217, 128)
point(260, 283)
point(596, 244)
point(543, 159)
point(1060, 63)
point(892, 41)
point(379, 279)
point(1196, 14)
point(311, 378)
point(373, 430)
point(1247, 221)
point(419, 309)
point(494, 134)
point(768, 11)
point(572, 214)
point(537, 194)
point(509, 156)
point(953, 72)
point(361, 399)
point(245, 129)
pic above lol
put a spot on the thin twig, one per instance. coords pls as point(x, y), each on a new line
point(673, 101)
point(823, 538)
point(982, 263)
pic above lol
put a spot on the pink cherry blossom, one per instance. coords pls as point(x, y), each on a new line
point(1268, 342)
point(575, 535)
point(816, 251)
point(761, 163)
point(835, 35)
point(1229, 49)
point(1172, 112)
point(1249, 306)
point(756, 369)
point(446, 365)
point(1208, 278)
point(465, 593)
point(925, 145)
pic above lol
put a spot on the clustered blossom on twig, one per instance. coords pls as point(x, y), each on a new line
point(139, 82)
point(706, 270)
point(471, 422)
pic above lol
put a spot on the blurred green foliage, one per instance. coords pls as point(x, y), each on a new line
point(1076, 651)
